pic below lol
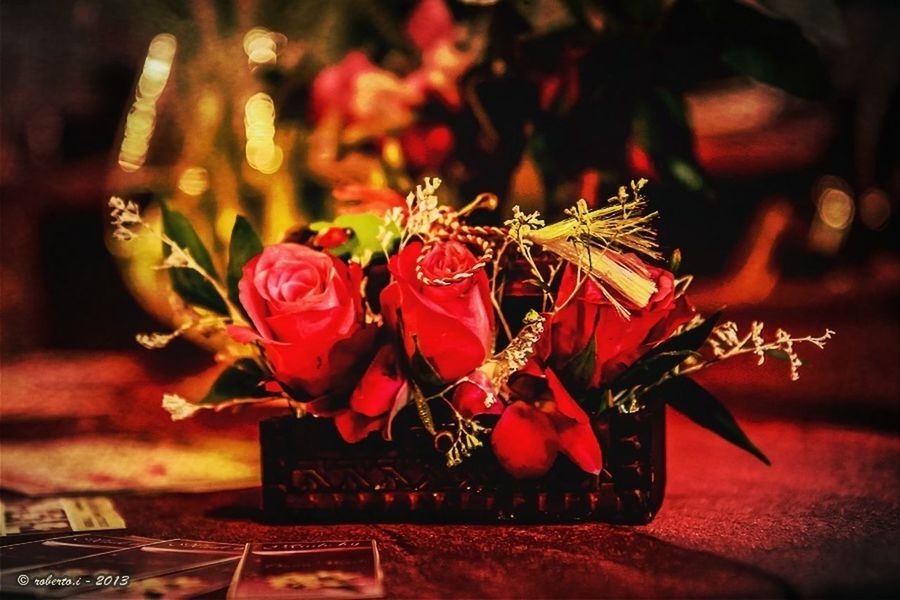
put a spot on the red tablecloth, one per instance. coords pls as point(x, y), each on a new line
point(823, 520)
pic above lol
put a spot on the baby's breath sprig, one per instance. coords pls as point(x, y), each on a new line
point(726, 342)
point(128, 223)
point(392, 223)
point(178, 407)
point(519, 232)
point(205, 324)
point(465, 441)
point(423, 211)
point(418, 220)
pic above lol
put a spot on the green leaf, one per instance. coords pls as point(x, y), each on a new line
point(666, 356)
point(770, 50)
point(662, 128)
point(696, 403)
point(687, 173)
point(244, 245)
point(651, 368)
point(423, 371)
point(691, 339)
point(187, 283)
point(243, 379)
point(580, 368)
point(365, 228)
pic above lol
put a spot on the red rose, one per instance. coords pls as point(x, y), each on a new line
point(307, 314)
point(381, 392)
point(618, 341)
point(543, 420)
point(452, 326)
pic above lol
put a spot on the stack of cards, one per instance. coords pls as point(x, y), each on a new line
point(92, 565)
point(58, 515)
point(61, 564)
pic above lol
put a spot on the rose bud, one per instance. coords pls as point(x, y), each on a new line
point(332, 237)
point(382, 390)
point(476, 396)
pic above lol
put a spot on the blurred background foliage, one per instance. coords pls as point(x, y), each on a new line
point(743, 114)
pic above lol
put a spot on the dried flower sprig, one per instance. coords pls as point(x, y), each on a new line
point(518, 352)
point(465, 440)
point(726, 342)
point(205, 324)
point(422, 211)
point(128, 223)
point(597, 240)
point(179, 408)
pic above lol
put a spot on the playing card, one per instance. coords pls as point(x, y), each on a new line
point(17, 557)
point(182, 584)
point(349, 569)
point(59, 515)
point(119, 568)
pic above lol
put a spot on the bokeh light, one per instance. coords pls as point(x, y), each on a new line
point(262, 46)
point(141, 119)
point(875, 209)
point(194, 181)
point(263, 154)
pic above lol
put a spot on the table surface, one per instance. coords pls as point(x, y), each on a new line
point(823, 520)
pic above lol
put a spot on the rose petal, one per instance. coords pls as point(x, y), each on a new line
point(565, 404)
point(328, 370)
point(525, 441)
point(355, 427)
point(250, 299)
point(380, 384)
point(579, 443)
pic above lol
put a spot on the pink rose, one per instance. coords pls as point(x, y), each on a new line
point(367, 99)
point(306, 309)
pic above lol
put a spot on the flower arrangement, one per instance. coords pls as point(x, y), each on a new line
point(515, 337)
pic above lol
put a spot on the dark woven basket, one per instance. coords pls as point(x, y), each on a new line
point(309, 474)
